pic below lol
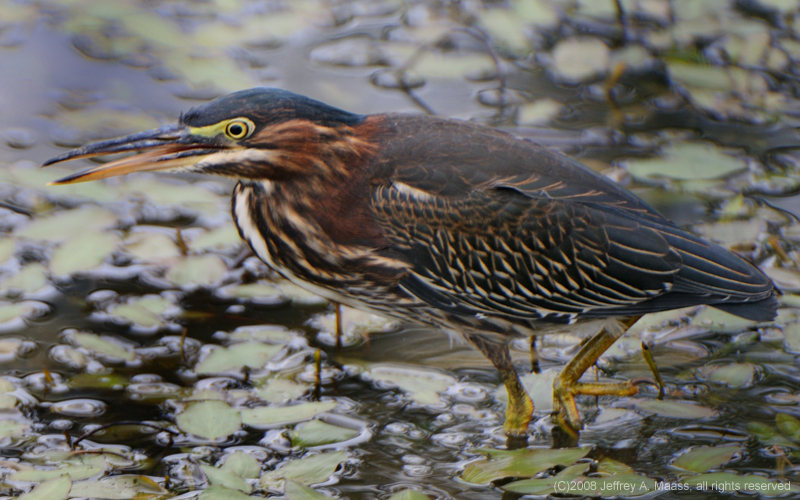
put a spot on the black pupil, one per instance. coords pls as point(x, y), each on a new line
point(236, 129)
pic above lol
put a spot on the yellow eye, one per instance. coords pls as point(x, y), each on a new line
point(239, 129)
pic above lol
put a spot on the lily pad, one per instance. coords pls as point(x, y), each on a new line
point(217, 492)
point(675, 409)
point(28, 280)
point(13, 428)
point(268, 416)
point(52, 489)
point(118, 488)
point(501, 464)
point(224, 238)
point(260, 293)
point(423, 386)
point(704, 458)
point(269, 334)
point(316, 433)
point(687, 161)
point(409, 495)
point(238, 356)
point(718, 321)
point(581, 59)
point(296, 491)
point(242, 464)
point(7, 248)
point(104, 346)
point(152, 247)
point(209, 419)
point(768, 435)
point(279, 390)
point(204, 271)
point(732, 375)
point(69, 224)
point(309, 470)
point(147, 311)
point(13, 315)
point(76, 472)
point(226, 478)
point(82, 254)
point(789, 426)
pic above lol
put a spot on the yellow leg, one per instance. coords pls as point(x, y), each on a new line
point(566, 385)
point(520, 406)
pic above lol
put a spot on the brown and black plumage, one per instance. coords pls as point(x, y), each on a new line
point(444, 222)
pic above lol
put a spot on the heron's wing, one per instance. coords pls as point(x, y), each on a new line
point(502, 251)
point(450, 158)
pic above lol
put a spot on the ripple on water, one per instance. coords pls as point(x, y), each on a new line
point(82, 407)
point(153, 390)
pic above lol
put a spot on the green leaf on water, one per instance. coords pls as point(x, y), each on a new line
point(409, 495)
point(270, 334)
point(279, 390)
point(719, 321)
point(316, 433)
point(789, 426)
point(76, 472)
point(225, 237)
point(500, 464)
point(242, 464)
point(97, 381)
point(103, 346)
point(309, 470)
point(12, 428)
point(681, 161)
point(69, 224)
point(674, 409)
point(52, 489)
point(704, 458)
point(737, 375)
point(580, 59)
point(146, 311)
point(13, 314)
point(246, 354)
point(205, 271)
point(118, 488)
point(226, 478)
point(152, 247)
point(83, 253)
point(217, 492)
point(7, 248)
point(768, 435)
point(613, 467)
point(31, 278)
point(269, 416)
point(296, 491)
point(209, 419)
point(422, 385)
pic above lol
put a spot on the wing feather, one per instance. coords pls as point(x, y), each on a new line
point(499, 251)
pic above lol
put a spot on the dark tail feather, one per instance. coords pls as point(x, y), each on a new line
point(763, 310)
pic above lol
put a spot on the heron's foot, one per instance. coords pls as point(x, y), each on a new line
point(518, 410)
point(565, 410)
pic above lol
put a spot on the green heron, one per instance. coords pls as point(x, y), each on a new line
point(445, 223)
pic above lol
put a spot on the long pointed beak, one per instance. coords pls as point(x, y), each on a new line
point(164, 148)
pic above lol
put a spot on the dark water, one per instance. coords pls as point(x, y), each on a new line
point(422, 404)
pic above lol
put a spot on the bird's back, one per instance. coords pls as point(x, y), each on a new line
point(492, 225)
